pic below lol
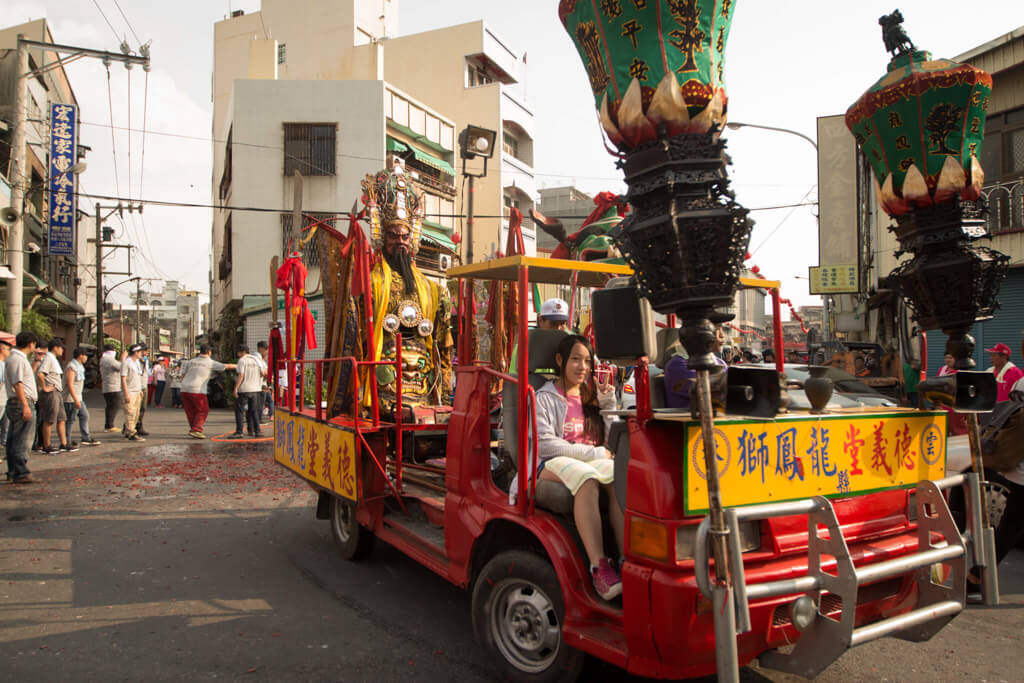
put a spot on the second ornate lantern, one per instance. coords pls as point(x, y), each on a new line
point(921, 127)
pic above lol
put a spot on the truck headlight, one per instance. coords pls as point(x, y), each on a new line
point(686, 537)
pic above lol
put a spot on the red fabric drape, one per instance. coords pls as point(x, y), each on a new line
point(291, 277)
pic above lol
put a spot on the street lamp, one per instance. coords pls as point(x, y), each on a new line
point(102, 306)
point(735, 125)
point(474, 142)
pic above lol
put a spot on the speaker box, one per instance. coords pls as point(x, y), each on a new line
point(966, 391)
point(753, 391)
point(623, 325)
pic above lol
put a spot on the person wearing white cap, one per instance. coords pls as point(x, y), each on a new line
point(132, 386)
point(554, 315)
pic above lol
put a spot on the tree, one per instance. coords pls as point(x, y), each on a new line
point(942, 120)
point(37, 323)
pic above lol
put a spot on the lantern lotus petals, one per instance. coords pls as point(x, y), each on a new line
point(921, 128)
point(652, 63)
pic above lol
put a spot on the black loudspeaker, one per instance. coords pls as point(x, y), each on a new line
point(965, 392)
point(623, 325)
point(753, 391)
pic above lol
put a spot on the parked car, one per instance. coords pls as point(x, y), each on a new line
point(845, 385)
point(849, 391)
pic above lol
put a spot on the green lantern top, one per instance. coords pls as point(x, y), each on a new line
point(921, 127)
point(652, 63)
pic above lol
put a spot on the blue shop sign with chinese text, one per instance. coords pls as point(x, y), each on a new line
point(63, 139)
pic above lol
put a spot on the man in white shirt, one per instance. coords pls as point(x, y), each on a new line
point(193, 389)
point(159, 380)
point(20, 384)
point(133, 387)
point(267, 399)
point(248, 387)
point(110, 375)
point(74, 397)
point(5, 351)
point(51, 402)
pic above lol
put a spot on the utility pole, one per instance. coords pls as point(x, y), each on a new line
point(19, 179)
point(101, 294)
point(138, 299)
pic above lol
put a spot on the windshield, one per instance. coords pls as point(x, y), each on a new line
point(842, 380)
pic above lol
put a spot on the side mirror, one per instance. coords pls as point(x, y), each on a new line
point(965, 392)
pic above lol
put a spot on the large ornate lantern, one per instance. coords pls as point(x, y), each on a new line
point(921, 127)
point(656, 71)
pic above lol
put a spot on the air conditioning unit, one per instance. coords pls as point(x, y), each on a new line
point(444, 262)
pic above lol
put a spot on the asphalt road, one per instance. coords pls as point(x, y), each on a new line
point(179, 559)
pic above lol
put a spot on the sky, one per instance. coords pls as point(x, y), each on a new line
point(787, 63)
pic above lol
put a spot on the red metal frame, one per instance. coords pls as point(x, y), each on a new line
point(780, 354)
point(663, 627)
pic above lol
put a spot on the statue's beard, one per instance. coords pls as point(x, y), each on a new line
point(401, 260)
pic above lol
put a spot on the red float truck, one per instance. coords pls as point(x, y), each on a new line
point(839, 527)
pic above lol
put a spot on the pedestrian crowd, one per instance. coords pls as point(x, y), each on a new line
point(42, 395)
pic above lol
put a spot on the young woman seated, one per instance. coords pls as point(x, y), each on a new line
point(571, 434)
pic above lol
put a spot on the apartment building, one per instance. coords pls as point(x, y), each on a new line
point(326, 89)
point(53, 285)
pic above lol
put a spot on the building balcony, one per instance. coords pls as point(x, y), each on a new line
point(1005, 206)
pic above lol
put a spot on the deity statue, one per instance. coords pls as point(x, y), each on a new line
point(405, 302)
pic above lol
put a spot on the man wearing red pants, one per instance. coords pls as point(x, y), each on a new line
point(193, 389)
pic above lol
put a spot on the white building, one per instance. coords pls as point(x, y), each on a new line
point(319, 83)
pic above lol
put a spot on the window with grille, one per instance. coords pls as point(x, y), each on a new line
point(224, 266)
point(282, 53)
point(1002, 157)
point(1015, 152)
point(510, 145)
point(309, 148)
point(310, 252)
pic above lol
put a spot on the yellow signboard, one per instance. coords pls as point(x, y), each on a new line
point(833, 279)
point(322, 453)
point(830, 455)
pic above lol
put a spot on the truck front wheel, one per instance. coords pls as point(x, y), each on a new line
point(517, 616)
point(354, 541)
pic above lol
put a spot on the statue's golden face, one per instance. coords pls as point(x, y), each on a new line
point(396, 237)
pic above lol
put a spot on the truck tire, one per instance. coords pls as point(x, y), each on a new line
point(354, 541)
point(517, 617)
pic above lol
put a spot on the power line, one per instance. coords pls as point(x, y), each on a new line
point(130, 28)
point(129, 133)
point(113, 144)
point(340, 155)
point(145, 111)
point(785, 218)
point(112, 30)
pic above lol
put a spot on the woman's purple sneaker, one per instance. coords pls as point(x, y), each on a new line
point(607, 581)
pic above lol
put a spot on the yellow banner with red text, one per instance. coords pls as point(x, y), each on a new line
point(322, 453)
point(830, 455)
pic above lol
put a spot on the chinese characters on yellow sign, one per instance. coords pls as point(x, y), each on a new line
point(833, 279)
point(324, 454)
point(834, 456)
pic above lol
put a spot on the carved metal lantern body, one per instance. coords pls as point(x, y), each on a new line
point(921, 127)
point(656, 70)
